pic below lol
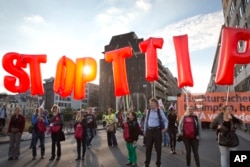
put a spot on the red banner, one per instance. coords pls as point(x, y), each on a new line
point(207, 105)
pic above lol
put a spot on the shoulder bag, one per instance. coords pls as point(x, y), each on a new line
point(228, 139)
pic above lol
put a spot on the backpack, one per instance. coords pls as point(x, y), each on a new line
point(161, 123)
point(40, 126)
point(79, 131)
point(190, 127)
point(126, 135)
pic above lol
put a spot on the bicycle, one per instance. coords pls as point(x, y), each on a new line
point(70, 127)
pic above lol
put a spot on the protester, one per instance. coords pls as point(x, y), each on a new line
point(104, 122)
point(190, 128)
point(91, 125)
point(39, 123)
point(81, 140)
point(165, 136)
point(153, 131)
point(131, 140)
point(142, 126)
point(56, 124)
point(111, 128)
point(15, 130)
point(32, 135)
point(225, 122)
point(3, 116)
point(172, 129)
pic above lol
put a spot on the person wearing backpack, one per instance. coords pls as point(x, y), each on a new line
point(156, 123)
point(56, 125)
point(190, 129)
point(39, 123)
point(80, 135)
point(130, 134)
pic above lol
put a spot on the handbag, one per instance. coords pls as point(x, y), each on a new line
point(228, 139)
point(179, 138)
point(110, 128)
point(61, 136)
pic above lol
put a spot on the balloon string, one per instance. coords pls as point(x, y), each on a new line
point(186, 93)
point(227, 94)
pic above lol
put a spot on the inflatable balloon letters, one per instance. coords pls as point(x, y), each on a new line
point(70, 75)
point(183, 62)
point(117, 57)
point(151, 61)
point(17, 71)
point(229, 54)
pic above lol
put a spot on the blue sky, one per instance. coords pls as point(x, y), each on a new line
point(81, 28)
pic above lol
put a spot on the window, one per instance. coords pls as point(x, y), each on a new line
point(231, 12)
point(241, 11)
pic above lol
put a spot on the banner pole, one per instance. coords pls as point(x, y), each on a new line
point(227, 94)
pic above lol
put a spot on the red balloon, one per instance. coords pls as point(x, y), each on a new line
point(151, 61)
point(183, 62)
point(65, 76)
point(117, 57)
point(229, 54)
point(86, 69)
point(17, 73)
point(35, 72)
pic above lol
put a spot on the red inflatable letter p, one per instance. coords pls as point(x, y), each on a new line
point(229, 54)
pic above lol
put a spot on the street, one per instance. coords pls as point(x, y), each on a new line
point(100, 155)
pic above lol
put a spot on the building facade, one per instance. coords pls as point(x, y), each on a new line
point(236, 14)
point(140, 89)
point(51, 98)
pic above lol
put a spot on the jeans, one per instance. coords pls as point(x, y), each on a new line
point(14, 147)
point(224, 155)
point(35, 137)
point(90, 134)
point(81, 143)
point(165, 138)
point(132, 157)
point(172, 136)
point(111, 137)
point(55, 143)
point(194, 145)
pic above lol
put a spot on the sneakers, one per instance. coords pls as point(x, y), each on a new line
point(134, 165)
point(128, 163)
point(52, 158)
point(43, 157)
point(78, 158)
point(58, 158)
point(10, 158)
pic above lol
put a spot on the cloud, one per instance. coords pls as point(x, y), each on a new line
point(202, 30)
point(34, 19)
point(143, 5)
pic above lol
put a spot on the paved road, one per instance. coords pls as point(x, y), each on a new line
point(102, 156)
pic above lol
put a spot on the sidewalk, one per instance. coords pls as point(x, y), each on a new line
point(28, 136)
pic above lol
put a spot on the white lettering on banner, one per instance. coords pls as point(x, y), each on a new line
point(212, 116)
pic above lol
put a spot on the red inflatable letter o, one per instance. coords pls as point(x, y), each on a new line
point(65, 75)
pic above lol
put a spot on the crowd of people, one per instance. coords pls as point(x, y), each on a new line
point(158, 127)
